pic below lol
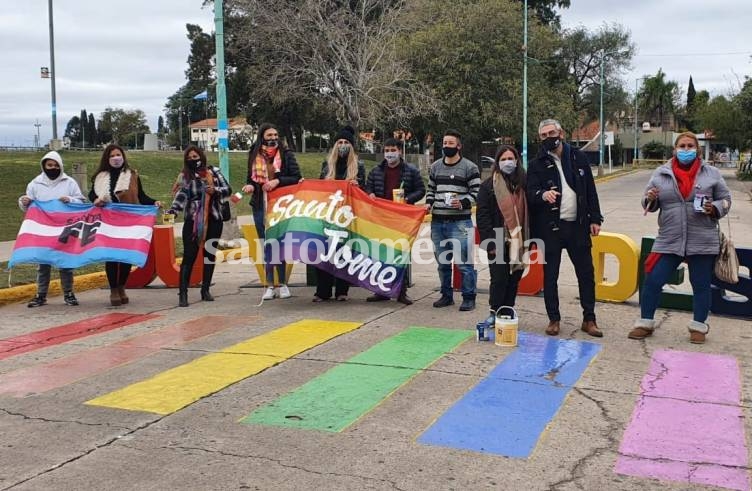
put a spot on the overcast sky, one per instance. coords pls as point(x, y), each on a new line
point(132, 54)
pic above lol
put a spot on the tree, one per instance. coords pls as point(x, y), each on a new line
point(73, 130)
point(84, 121)
point(722, 117)
point(743, 102)
point(345, 53)
point(583, 51)
point(126, 127)
point(91, 131)
point(160, 125)
point(659, 98)
point(545, 10)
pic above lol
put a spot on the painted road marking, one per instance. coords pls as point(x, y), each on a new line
point(524, 392)
point(68, 332)
point(344, 394)
point(687, 425)
point(174, 389)
point(38, 379)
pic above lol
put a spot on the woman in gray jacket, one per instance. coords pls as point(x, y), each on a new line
point(691, 197)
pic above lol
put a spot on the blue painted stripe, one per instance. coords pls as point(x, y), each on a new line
point(45, 255)
point(506, 413)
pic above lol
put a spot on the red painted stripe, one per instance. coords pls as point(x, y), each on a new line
point(73, 246)
point(61, 218)
point(38, 379)
point(68, 332)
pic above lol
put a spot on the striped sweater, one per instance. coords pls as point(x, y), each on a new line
point(462, 178)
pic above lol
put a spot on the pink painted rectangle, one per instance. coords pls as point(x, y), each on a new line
point(38, 379)
point(688, 425)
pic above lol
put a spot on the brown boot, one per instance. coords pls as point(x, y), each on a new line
point(553, 328)
point(643, 328)
point(115, 297)
point(123, 297)
point(591, 328)
point(697, 332)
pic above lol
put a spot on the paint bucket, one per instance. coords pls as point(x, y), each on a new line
point(506, 328)
point(168, 218)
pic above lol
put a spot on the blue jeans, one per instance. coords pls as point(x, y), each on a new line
point(258, 220)
point(700, 276)
point(452, 237)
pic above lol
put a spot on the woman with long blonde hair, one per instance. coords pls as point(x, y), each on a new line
point(342, 164)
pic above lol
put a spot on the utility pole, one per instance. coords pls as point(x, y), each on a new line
point(54, 72)
point(38, 125)
point(634, 153)
point(180, 125)
point(222, 126)
point(602, 125)
point(524, 87)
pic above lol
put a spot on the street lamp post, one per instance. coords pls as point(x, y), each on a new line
point(634, 153)
point(524, 87)
point(54, 72)
point(602, 123)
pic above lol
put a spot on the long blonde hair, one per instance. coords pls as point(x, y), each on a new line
point(352, 164)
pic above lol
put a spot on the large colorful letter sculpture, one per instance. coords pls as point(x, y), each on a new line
point(161, 262)
point(626, 252)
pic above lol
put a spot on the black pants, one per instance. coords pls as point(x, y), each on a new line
point(582, 260)
point(117, 273)
point(324, 283)
point(503, 288)
point(190, 245)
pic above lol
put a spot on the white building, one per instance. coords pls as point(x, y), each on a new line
point(204, 133)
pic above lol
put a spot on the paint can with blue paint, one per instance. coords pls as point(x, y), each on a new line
point(506, 328)
point(486, 329)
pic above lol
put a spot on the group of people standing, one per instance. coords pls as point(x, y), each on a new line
point(555, 201)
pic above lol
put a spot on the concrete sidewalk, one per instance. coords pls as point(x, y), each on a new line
point(53, 440)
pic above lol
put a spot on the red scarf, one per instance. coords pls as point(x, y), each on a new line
point(685, 176)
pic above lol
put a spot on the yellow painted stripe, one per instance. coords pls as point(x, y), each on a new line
point(177, 388)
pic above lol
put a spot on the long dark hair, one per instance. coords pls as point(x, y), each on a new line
point(253, 152)
point(104, 161)
point(519, 177)
point(188, 173)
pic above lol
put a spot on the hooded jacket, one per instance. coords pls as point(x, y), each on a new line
point(42, 188)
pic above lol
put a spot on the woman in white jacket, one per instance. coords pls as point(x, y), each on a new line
point(53, 183)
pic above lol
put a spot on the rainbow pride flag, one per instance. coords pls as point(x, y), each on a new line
point(71, 235)
point(338, 228)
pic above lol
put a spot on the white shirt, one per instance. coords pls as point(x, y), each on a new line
point(568, 208)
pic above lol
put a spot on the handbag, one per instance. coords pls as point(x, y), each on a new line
point(726, 266)
point(224, 208)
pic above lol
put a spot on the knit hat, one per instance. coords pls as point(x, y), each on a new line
point(346, 133)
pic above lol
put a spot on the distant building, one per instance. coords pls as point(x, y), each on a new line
point(204, 133)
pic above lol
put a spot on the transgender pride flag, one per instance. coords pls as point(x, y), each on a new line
point(72, 235)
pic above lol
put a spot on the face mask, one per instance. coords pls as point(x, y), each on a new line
point(193, 164)
point(343, 150)
point(686, 157)
point(450, 151)
point(52, 174)
point(507, 166)
point(392, 157)
point(116, 162)
point(271, 143)
point(551, 143)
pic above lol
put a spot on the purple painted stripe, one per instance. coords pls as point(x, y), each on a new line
point(688, 425)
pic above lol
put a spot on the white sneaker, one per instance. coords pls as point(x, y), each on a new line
point(284, 292)
point(269, 293)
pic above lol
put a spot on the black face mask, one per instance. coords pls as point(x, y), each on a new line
point(551, 143)
point(271, 143)
point(193, 164)
point(450, 151)
point(52, 174)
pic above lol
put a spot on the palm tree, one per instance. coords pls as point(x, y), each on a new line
point(659, 97)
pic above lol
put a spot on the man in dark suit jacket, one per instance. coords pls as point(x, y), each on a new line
point(564, 213)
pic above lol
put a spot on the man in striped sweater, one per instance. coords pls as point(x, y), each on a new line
point(453, 184)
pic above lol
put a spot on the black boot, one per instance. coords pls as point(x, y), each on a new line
point(185, 277)
point(208, 273)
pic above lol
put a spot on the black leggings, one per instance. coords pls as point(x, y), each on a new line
point(117, 273)
point(190, 246)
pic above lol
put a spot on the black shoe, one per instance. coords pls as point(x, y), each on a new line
point(70, 299)
point(444, 301)
point(206, 296)
point(377, 298)
point(37, 301)
point(404, 299)
point(468, 304)
point(183, 299)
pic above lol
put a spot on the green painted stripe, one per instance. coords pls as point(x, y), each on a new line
point(336, 399)
point(313, 226)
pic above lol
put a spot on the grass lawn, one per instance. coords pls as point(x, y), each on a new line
point(158, 171)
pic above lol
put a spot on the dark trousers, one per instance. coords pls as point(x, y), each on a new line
point(582, 260)
point(503, 288)
point(117, 273)
point(191, 249)
point(325, 282)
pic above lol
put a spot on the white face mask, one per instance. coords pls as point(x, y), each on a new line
point(507, 166)
point(391, 157)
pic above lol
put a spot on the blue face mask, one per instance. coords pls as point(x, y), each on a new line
point(686, 157)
